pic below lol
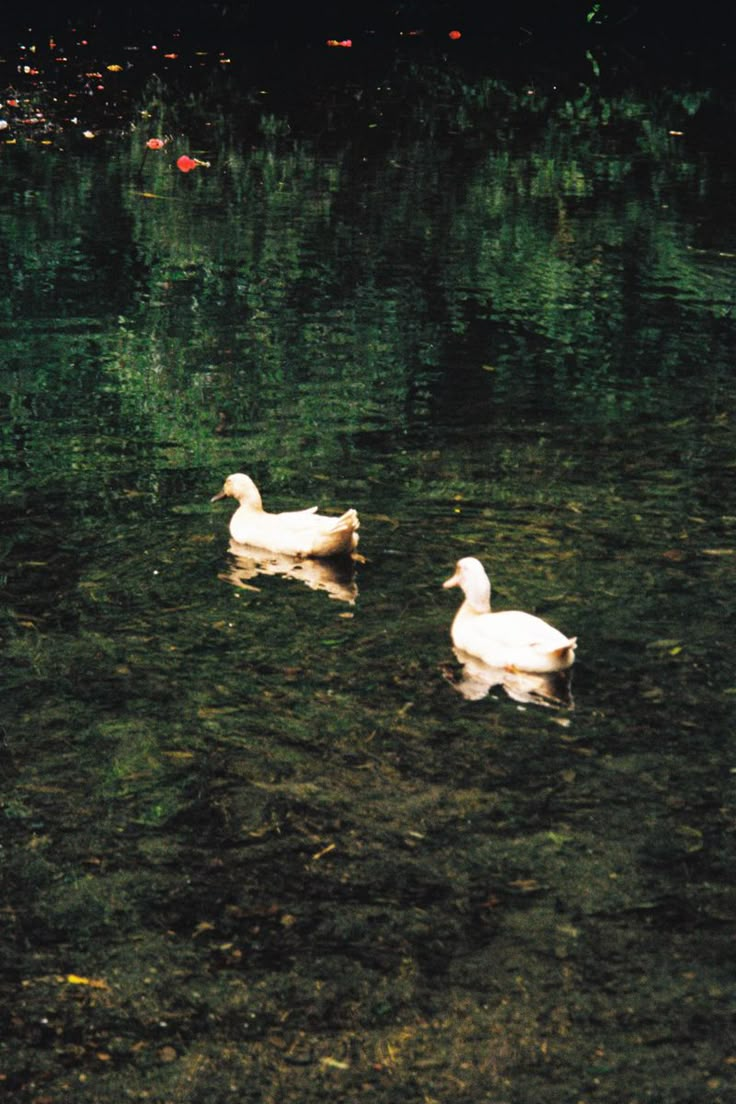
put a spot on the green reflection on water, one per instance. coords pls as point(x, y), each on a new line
point(274, 833)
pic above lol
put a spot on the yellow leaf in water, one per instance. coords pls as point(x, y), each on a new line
point(334, 1063)
point(325, 851)
point(37, 841)
point(94, 983)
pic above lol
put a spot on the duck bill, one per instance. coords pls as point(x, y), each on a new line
point(218, 496)
point(451, 582)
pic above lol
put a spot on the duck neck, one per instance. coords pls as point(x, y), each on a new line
point(478, 599)
point(251, 499)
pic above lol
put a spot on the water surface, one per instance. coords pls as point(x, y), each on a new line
point(257, 842)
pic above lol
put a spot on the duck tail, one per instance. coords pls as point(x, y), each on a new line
point(567, 650)
point(348, 520)
point(344, 536)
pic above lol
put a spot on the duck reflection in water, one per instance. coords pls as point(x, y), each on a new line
point(335, 576)
point(477, 679)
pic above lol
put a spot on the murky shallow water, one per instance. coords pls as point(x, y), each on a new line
point(257, 842)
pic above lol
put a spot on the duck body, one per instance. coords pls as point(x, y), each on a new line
point(297, 533)
point(511, 640)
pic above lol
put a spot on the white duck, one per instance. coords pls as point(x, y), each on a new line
point(511, 639)
point(299, 533)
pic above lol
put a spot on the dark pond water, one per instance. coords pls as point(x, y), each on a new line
point(261, 842)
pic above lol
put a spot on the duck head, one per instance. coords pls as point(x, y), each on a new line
point(471, 577)
point(243, 489)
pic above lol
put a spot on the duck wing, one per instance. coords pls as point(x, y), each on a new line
point(296, 516)
point(514, 628)
point(298, 533)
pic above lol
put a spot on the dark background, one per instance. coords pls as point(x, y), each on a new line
point(653, 21)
